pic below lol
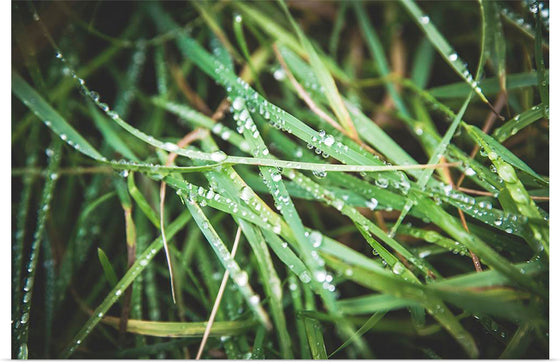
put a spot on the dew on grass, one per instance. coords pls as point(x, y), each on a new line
point(398, 268)
point(305, 277)
point(279, 74)
point(218, 156)
point(372, 203)
point(316, 239)
point(453, 57)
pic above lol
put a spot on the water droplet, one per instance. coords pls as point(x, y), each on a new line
point(242, 278)
point(372, 204)
point(279, 74)
point(470, 172)
point(170, 146)
point(305, 277)
point(453, 57)
point(118, 293)
point(94, 96)
point(255, 299)
point(238, 103)
point(424, 19)
point(316, 239)
point(507, 173)
point(218, 156)
point(398, 268)
point(329, 140)
point(320, 275)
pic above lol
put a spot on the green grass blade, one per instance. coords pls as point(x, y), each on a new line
point(50, 117)
point(21, 326)
point(315, 339)
point(108, 270)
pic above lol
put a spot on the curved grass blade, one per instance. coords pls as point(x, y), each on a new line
point(368, 325)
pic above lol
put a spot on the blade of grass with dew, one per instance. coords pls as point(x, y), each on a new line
point(219, 296)
point(525, 204)
point(483, 211)
point(443, 47)
point(491, 86)
point(481, 249)
point(21, 326)
point(21, 223)
point(519, 122)
point(86, 70)
point(297, 302)
point(50, 117)
point(50, 295)
point(504, 153)
point(108, 270)
point(238, 275)
point(271, 284)
point(219, 50)
point(315, 339)
point(123, 283)
point(109, 134)
point(433, 237)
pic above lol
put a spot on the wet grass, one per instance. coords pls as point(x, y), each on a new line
point(392, 199)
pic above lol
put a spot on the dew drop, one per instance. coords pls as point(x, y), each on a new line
point(238, 103)
point(279, 74)
point(218, 156)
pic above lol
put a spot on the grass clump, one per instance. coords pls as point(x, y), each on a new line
point(330, 182)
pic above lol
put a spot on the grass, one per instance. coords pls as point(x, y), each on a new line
point(391, 199)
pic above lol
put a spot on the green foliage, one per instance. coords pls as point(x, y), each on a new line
point(306, 130)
